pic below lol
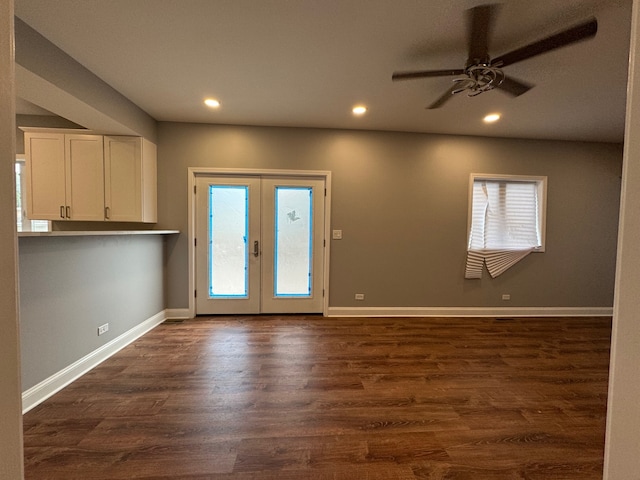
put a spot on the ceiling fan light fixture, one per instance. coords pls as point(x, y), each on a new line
point(478, 79)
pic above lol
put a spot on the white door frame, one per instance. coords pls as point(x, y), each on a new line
point(193, 172)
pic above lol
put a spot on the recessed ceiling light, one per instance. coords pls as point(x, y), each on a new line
point(212, 102)
point(359, 110)
point(492, 117)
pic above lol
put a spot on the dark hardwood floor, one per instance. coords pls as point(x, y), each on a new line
point(295, 397)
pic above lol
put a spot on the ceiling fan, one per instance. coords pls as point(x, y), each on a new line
point(482, 73)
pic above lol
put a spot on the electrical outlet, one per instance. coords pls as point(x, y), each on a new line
point(506, 296)
point(102, 329)
point(359, 296)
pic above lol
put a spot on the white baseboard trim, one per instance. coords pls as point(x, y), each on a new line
point(56, 382)
point(470, 312)
point(177, 313)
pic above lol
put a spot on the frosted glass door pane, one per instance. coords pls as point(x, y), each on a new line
point(228, 249)
point(293, 241)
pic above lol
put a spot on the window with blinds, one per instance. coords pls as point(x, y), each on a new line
point(506, 221)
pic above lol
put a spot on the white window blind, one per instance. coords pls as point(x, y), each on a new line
point(506, 223)
point(504, 215)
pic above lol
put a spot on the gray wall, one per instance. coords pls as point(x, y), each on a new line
point(49, 78)
point(71, 285)
point(401, 201)
point(49, 121)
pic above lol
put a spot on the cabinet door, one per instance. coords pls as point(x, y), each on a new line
point(45, 165)
point(85, 177)
point(123, 179)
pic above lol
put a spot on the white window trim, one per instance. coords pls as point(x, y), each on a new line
point(541, 182)
point(26, 222)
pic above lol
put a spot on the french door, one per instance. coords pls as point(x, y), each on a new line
point(259, 245)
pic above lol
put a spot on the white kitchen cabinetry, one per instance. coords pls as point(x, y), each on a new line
point(85, 177)
point(65, 176)
point(130, 193)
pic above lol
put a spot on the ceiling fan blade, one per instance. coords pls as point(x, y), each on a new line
point(425, 74)
point(441, 101)
point(479, 25)
point(514, 87)
point(575, 34)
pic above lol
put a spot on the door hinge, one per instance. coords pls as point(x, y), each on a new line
point(325, 192)
point(323, 292)
point(324, 243)
point(195, 294)
point(194, 189)
point(195, 242)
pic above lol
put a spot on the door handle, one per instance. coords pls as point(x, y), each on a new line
point(68, 210)
point(61, 211)
point(256, 248)
point(107, 212)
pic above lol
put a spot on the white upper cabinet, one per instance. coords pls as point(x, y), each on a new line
point(130, 179)
point(77, 176)
point(46, 178)
point(85, 177)
point(65, 176)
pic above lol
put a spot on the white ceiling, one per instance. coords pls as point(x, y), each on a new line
point(305, 63)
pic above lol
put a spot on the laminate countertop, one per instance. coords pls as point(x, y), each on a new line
point(89, 233)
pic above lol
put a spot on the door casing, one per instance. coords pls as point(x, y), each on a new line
point(194, 172)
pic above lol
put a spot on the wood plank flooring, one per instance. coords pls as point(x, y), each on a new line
point(304, 397)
